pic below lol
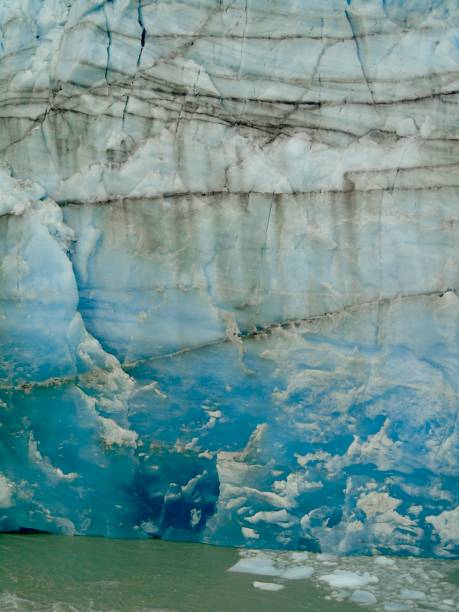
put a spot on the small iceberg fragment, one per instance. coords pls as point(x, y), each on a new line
point(263, 565)
point(260, 565)
point(298, 556)
point(395, 607)
point(363, 597)
point(412, 594)
point(268, 586)
point(344, 579)
point(298, 573)
point(384, 561)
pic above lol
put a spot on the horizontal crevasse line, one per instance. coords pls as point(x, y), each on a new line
point(279, 36)
point(100, 90)
point(165, 87)
point(210, 194)
point(251, 37)
point(270, 328)
point(244, 335)
point(274, 125)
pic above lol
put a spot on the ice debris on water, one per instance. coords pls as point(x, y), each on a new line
point(347, 580)
point(363, 597)
point(379, 582)
point(268, 586)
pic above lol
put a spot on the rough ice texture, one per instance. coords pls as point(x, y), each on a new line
point(229, 271)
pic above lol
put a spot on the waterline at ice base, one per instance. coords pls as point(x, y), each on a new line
point(229, 272)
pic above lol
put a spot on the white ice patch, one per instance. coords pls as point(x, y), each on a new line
point(6, 492)
point(295, 484)
point(249, 533)
point(363, 597)
point(343, 579)
point(298, 573)
point(411, 594)
point(386, 561)
point(260, 565)
point(195, 516)
point(278, 517)
point(55, 473)
point(378, 449)
point(268, 586)
point(114, 435)
point(17, 196)
point(446, 525)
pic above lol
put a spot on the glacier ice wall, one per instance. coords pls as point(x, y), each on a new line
point(229, 271)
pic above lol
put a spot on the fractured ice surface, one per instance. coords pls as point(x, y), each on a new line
point(229, 272)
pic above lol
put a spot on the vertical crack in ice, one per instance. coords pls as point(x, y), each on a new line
point(143, 30)
point(123, 118)
point(243, 41)
point(265, 242)
point(143, 35)
point(96, 8)
point(355, 38)
point(109, 44)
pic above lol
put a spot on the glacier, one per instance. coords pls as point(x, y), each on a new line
point(229, 251)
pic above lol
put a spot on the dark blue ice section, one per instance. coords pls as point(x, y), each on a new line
point(275, 445)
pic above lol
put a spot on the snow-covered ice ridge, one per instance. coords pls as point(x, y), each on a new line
point(384, 583)
point(229, 252)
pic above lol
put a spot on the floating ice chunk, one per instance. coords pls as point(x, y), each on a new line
point(268, 586)
point(363, 597)
point(260, 564)
point(384, 561)
point(348, 580)
point(299, 556)
point(411, 594)
point(395, 606)
point(298, 572)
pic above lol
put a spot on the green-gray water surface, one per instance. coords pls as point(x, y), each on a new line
point(60, 574)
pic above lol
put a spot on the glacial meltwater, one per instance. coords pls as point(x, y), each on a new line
point(61, 574)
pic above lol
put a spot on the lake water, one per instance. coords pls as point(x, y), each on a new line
point(61, 574)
